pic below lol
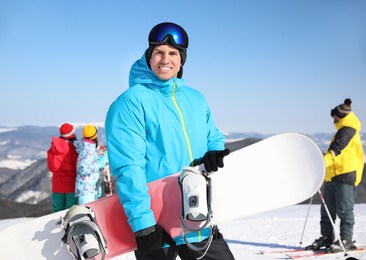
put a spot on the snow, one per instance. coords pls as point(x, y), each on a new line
point(233, 140)
point(32, 197)
point(16, 164)
point(81, 125)
point(4, 142)
point(3, 130)
point(8, 222)
point(279, 229)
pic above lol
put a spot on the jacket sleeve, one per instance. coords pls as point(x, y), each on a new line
point(50, 158)
point(102, 161)
point(126, 142)
point(74, 157)
point(339, 142)
point(215, 139)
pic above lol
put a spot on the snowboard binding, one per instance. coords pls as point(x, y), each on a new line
point(196, 202)
point(81, 227)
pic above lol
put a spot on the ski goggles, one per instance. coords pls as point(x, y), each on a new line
point(164, 31)
point(335, 112)
point(332, 112)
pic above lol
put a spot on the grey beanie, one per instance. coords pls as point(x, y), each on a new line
point(342, 110)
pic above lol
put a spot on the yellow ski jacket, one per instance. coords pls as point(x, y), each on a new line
point(344, 159)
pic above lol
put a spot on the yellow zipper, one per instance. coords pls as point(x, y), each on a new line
point(184, 128)
point(185, 133)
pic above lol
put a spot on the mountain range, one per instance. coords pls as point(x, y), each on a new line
point(25, 182)
point(23, 145)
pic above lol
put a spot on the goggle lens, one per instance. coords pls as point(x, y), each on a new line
point(161, 31)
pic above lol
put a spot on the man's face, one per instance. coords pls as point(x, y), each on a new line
point(336, 118)
point(165, 62)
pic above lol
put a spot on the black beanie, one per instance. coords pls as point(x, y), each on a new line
point(342, 110)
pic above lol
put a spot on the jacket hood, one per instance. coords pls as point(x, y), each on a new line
point(350, 120)
point(140, 73)
point(59, 145)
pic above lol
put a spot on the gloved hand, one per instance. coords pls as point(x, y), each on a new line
point(214, 159)
point(153, 238)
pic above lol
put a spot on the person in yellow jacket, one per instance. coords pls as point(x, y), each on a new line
point(344, 162)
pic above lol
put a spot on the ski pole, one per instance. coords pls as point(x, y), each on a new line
point(306, 219)
point(332, 222)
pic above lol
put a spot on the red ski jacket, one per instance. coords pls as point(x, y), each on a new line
point(61, 160)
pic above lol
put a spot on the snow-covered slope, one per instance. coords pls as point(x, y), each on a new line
point(275, 230)
point(280, 230)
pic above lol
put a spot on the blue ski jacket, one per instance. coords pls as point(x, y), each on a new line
point(153, 130)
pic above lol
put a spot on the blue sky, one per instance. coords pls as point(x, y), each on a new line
point(269, 66)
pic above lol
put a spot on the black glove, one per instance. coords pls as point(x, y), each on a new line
point(214, 159)
point(153, 238)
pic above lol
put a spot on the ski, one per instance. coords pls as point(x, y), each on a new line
point(320, 253)
point(282, 251)
point(308, 253)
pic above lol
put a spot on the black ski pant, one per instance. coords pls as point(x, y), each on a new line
point(340, 200)
point(219, 250)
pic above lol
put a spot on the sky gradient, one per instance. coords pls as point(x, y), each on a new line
point(269, 66)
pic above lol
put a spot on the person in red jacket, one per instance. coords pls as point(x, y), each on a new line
point(61, 159)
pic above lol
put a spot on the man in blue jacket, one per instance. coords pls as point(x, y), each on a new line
point(153, 130)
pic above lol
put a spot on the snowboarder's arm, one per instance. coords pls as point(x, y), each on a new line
point(215, 139)
point(126, 144)
point(214, 157)
point(339, 142)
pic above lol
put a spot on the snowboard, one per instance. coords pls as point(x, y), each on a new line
point(279, 171)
